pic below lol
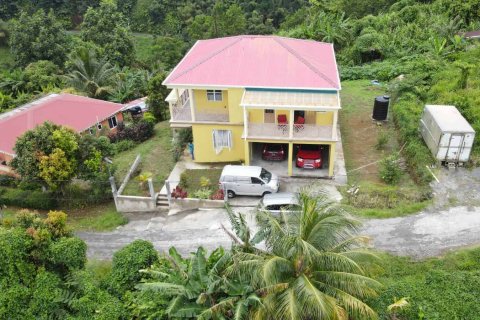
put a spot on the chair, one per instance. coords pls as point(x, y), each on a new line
point(298, 124)
point(282, 122)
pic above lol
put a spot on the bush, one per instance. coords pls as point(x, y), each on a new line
point(382, 140)
point(124, 145)
point(218, 195)
point(8, 181)
point(138, 131)
point(203, 193)
point(71, 253)
point(178, 192)
point(390, 170)
point(128, 261)
point(27, 199)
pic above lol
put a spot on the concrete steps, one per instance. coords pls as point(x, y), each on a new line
point(162, 201)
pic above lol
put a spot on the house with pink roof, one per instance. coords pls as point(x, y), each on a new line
point(242, 95)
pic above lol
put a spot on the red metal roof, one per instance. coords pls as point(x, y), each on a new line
point(76, 112)
point(258, 61)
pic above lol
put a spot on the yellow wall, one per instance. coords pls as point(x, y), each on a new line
point(235, 111)
point(255, 115)
point(325, 118)
point(201, 102)
point(203, 144)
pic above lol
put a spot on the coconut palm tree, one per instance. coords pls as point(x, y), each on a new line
point(312, 266)
point(90, 74)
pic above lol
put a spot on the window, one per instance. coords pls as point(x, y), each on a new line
point(91, 131)
point(222, 139)
point(214, 95)
point(256, 181)
point(112, 122)
point(99, 126)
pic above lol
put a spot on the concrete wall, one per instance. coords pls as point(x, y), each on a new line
point(203, 104)
point(191, 203)
point(134, 204)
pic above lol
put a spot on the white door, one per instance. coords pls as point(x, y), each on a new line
point(257, 187)
point(456, 142)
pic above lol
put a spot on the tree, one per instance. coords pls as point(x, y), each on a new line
point(107, 28)
point(42, 75)
point(90, 74)
point(53, 155)
point(312, 266)
point(157, 93)
point(38, 37)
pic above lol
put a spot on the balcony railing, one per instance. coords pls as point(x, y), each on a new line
point(282, 132)
point(181, 113)
point(211, 114)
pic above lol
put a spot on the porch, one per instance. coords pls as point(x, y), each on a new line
point(184, 110)
point(275, 131)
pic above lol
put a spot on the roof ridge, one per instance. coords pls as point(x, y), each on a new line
point(238, 39)
point(305, 62)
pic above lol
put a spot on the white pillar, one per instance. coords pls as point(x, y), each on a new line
point(290, 124)
point(192, 104)
point(334, 125)
point(245, 122)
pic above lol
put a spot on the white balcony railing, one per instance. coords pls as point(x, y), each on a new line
point(211, 114)
point(299, 131)
point(181, 113)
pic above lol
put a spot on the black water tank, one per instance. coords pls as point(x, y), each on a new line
point(380, 108)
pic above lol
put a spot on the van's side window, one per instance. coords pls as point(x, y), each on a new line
point(256, 180)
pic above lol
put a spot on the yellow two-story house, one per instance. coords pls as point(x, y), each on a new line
point(240, 94)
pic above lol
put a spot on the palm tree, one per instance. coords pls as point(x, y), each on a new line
point(312, 266)
point(90, 74)
point(196, 287)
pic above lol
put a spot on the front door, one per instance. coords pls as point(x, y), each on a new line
point(269, 116)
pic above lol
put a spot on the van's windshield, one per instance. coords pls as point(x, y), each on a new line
point(265, 175)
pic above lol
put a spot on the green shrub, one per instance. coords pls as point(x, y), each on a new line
point(70, 253)
point(203, 193)
point(138, 131)
point(27, 199)
point(205, 182)
point(124, 145)
point(149, 117)
point(128, 261)
point(183, 180)
point(8, 181)
point(390, 170)
point(382, 140)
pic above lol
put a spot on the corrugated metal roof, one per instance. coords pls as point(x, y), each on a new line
point(76, 112)
point(258, 61)
point(290, 99)
point(449, 119)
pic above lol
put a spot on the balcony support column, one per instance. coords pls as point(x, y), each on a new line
point(331, 159)
point(290, 125)
point(247, 152)
point(290, 159)
point(245, 122)
point(192, 103)
point(334, 125)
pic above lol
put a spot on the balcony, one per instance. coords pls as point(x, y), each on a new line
point(184, 114)
point(310, 132)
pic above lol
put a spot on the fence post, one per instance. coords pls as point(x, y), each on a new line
point(151, 189)
point(169, 192)
point(225, 195)
point(114, 189)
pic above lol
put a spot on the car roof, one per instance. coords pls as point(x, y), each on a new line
point(280, 198)
point(242, 171)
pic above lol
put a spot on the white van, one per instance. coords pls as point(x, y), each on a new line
point(248, 181)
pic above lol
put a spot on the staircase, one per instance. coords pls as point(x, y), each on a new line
point(162, 201)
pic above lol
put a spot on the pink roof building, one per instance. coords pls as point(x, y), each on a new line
point(76, 112)
point(258, 62)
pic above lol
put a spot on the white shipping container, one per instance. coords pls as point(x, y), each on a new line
point(447, 134)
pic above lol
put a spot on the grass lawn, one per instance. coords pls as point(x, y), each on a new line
point(103, 217)
point(191, 180)
point(440, 288)
point(157, 159)
point(360, 136)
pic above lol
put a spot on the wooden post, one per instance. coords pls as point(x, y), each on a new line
point(290, 159)
point(290, 124)
point(192, 104)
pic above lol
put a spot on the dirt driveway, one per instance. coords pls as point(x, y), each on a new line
point(453, 220)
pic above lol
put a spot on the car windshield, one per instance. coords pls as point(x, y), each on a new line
point(265, 175)
point(310, 147)
point(274, 147)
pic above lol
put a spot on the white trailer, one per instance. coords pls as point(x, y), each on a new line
point(447, 134)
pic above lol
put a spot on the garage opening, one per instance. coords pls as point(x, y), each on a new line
point(311, 160)
point(271, 156)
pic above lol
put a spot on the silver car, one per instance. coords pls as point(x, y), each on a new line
point(280, 202)
point(248, 181)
